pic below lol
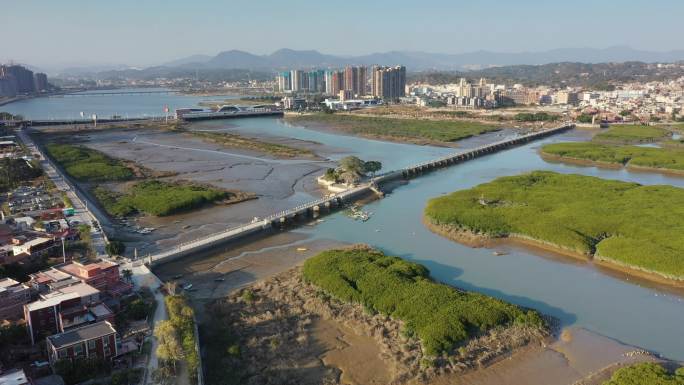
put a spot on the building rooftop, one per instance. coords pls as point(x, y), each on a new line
point(100, 311)
point(84, 333)
point(10, 285)
point(49, 275)
point(7, 282)
point(49, 300)
point(37, 242)
point(56, 297)
point(14, 377)
point(85, 270)
point(82, 289)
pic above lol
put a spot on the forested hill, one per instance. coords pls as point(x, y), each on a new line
point(598, 76)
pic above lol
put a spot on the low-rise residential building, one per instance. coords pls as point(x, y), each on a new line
point(102, 275)
point(36, 247)
point(51, 279)
point(13, 297)
point(96, 340)
point(59, 310)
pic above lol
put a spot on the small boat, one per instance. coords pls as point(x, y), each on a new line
point(302, 249)
point(219, 279)
point(496, 252)
point(358, 214)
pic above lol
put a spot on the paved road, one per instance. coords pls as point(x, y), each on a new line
point(81, 213)
point(143, 277)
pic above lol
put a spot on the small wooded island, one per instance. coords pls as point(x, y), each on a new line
point(622, 225)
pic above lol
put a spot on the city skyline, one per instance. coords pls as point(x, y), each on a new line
point(85, 33)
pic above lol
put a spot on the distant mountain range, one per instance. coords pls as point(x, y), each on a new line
point(420, 61)
point(233, 63)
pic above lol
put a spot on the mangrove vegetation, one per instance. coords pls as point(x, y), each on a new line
point(631, 133)
point(669, 158)
point(442, 317)
point(88, 165)
point(622, 223)
point(646, 373)
point(159, 198)
point(396, 128)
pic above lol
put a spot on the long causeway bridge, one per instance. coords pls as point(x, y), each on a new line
point(332, 202)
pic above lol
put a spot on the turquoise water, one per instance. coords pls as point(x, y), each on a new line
point(577, 293)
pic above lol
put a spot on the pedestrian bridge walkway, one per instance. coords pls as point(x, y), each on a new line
point(328, 204)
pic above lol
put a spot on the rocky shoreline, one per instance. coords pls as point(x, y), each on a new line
point(292, 308)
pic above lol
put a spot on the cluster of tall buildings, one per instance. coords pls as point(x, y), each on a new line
point(389, 82)
point(18, 80)
point(352, 81)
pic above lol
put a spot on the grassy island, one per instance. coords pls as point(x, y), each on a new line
point(610, 148)
point(414, 130)
point(441, 316)
point(161, 198)
point(647, 373)
point(625, 224)
point(88, 165)
point(242, 142)
point(631, 133)
point(669, 158)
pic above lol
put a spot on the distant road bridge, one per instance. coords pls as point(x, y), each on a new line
point(330, 203)
point(114, 92)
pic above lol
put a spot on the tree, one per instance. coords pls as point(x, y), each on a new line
point(372, 166)
point(585, 118)
point(352, 164)
point(169, 347)
point(115, 248)
point(127, 275)
point(138, 309)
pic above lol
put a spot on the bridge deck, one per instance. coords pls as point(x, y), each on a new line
point(267, 223)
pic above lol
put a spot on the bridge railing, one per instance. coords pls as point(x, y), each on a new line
point(266, 220)
point(487, 146)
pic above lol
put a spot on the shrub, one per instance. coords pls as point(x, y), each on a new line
point(88, 165)
point(645, 373)
point(158, 198)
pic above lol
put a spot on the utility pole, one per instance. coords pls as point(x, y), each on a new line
point(63, 251)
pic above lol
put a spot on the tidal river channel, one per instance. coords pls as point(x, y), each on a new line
point(578, 293)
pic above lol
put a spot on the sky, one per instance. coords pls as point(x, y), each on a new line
point(60, 33)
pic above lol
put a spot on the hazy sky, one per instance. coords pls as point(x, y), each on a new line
point(49, 33)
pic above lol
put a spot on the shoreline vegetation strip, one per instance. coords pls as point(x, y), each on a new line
point(422, 129)
point(645, 157)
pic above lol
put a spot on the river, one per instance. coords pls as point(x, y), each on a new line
point(579, 294)
point(105, 104)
